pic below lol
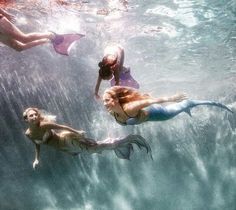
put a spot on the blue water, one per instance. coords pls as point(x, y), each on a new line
point(171, 46)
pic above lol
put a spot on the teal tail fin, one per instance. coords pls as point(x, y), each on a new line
point(125, 149)
point(188, 111)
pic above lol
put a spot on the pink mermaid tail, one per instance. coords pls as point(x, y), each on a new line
point(62, 42)
point(126, 79)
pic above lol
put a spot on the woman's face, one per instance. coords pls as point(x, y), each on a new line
point(109, 102)
point(32, 116)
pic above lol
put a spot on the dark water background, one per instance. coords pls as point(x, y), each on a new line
point(171, 46)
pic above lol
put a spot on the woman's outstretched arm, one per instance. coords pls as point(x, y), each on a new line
point(117, 68)
point(51, 125)
point(36, 159)
point(99, 80)
point(132, 108)
point(37, 150)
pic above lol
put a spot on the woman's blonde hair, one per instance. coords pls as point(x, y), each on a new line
point(126, 94)
point(43, 115)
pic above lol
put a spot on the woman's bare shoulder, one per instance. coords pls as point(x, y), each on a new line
point(45, 124)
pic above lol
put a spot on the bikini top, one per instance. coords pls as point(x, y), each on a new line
point(118, 121)
point(46, 137)
point(131, 120)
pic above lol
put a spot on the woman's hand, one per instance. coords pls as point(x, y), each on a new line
point(178, 97)
point(35, 163)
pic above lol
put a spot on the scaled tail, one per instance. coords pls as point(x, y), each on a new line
point(125, 148)
point(211, 103)
point(62, 43)
point(126, 79)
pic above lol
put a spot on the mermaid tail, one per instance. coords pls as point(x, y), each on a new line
point(126, 79)
point(125, 151)
point(160, 113)
point(123, 147)
point(76, 143)
point(62, 43)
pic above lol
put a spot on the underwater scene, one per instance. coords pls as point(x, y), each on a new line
point(118, 105)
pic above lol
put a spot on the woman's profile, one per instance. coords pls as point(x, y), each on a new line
point(130, 107)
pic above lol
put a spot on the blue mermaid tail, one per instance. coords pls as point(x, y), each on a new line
point(62, 43)
point(161, 113)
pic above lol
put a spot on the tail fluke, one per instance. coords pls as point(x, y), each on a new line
point(224, 107)
point(211, 103)
point(62, 43)
point(126, 79)
point(188, 111)
point(125, 148)
point(124, 152)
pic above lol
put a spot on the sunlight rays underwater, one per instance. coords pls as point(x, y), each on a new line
point(170, 46)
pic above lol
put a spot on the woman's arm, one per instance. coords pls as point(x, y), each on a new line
point(118, 66)
point(117, 77)
point(36, 159)
point(97, 87)
point(132, 108)
point(37, 149)
point(121, 57)
point(50, 125)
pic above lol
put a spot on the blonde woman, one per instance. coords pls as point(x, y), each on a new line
point(130, 107)
point(44, 131)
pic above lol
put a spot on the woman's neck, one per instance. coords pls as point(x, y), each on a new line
point(34, 126)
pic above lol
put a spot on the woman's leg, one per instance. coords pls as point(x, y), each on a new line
point(11, 31)
point(18, 46)
point(160, 113)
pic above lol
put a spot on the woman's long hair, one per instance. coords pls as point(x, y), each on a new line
point(126, 94)
point(105, 70)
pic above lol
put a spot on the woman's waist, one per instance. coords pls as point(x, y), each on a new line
point(141, 117)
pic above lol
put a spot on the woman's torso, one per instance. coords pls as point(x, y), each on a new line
point(125, 119)
point(41, 136)
point(65, 141)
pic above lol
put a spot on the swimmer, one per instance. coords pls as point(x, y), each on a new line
point(112, 65)
point(14, 38)
point(43, 130)
point(130, 107)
